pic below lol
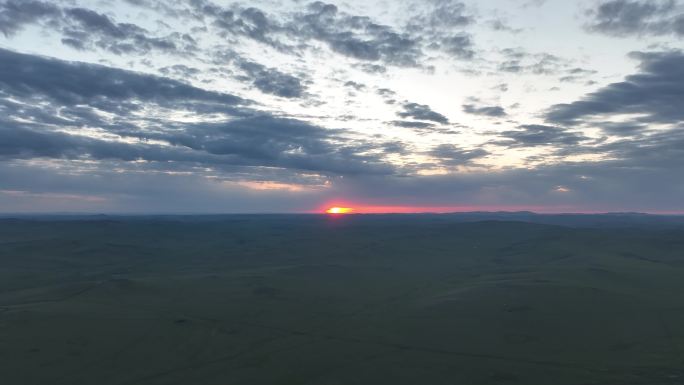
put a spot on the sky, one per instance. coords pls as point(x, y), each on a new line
point(277, 106)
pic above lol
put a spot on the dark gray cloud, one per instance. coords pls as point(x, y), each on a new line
point(36, 189)
point(354, 36)
point(46, 103)
point(272, 81)
point(268, 141)
point(453, 155)
point(389, 96)
point(442, 24)
point(20, 142)
point(632, 180)
point(459, 45)
point(99, 23)
point(442, 14)
point(491, 111)
point(413, 124)
point(617, 185)
point(386, 92)
point(658, 150)
point(396, 147)
point(637, 17)
point(531, 135)
point(622, 129)
point(422, 112)
point(15, 14)
point(577, 74)
point(85, 29)
point(248, 22)
point(355, 85)
point(588, 186)
point(358, 37)
point(654, 95)
point(29, 76)
point(374, 44)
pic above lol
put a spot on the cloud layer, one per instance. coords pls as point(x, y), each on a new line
point(148, 106)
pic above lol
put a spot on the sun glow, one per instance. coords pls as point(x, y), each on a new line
point(362, 209)
point(339, 210)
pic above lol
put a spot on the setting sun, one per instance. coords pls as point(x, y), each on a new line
point(339, 210)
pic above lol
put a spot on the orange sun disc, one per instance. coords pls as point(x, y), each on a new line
point(339, 210)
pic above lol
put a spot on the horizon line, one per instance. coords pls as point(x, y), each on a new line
point(3, 215)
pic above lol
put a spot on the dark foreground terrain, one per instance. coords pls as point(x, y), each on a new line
point(316, 300)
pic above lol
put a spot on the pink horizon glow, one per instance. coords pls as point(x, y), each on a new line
point(407, 209)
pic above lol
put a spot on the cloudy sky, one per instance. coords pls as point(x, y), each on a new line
point(210, 106)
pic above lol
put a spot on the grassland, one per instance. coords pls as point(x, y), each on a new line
point(316, 300)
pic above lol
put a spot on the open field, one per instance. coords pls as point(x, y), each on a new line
point(318, 300)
